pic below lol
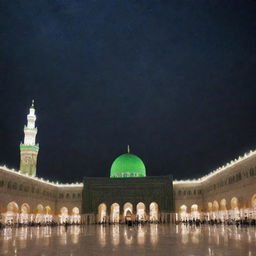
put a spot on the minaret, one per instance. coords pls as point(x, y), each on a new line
point(29, 149)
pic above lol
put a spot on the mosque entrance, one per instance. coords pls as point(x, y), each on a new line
point(115, 211)
point(128, 216)
point(115, 200)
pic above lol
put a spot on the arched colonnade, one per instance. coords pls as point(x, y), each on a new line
point(24, 214)
point(219, 210)
point(120, 213)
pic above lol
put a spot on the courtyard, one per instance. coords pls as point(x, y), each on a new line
point(149, 239)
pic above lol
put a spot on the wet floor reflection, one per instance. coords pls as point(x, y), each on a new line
point(152, 239)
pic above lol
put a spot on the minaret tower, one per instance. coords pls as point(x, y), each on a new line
point(29, 149)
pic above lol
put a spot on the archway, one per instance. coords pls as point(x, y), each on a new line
point(128, 211)
point(24, 215)
point(215, 209)
point(234, 203)
point(153, 209)
point(115, 213)
point(12, 213)
point(209, 211)
point(223, 214)
point(194, 212)
point(48, 214)
point(39, 214)
point(223, 204)
point(253, 207)
point(183, 212)
point(63, 216)
point(253, 201)
point(75, 217)
point(141, 213)
point(234, 212)
point(102, 213)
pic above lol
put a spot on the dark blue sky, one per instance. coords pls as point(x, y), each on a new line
point(174, 79)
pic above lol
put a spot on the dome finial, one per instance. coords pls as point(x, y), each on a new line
point(128, 148)
point(32, 105)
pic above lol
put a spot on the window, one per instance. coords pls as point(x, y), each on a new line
point(238, 176)
point(9, 185)
point(14, 186)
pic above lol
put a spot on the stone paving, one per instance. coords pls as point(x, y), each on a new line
point(150, 239)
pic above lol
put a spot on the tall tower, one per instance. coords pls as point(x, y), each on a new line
point(29, 149)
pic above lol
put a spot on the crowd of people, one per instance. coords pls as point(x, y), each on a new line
point(10, 223)
point(238, 222)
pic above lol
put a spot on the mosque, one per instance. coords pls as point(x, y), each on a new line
point(226, 193)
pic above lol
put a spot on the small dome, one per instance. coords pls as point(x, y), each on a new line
point(127, 165)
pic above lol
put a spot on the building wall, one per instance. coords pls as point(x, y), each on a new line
point(237, 180)
point(23, 189)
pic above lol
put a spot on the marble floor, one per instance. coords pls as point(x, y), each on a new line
point(150, 239)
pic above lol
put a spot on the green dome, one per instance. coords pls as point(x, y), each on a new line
point(127, 165)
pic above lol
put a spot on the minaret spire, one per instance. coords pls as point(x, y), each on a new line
point(128, 148)
point(29, 149)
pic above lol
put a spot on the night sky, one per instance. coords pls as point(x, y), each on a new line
point(174, 79)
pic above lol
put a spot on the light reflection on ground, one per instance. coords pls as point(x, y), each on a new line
point(151, 239)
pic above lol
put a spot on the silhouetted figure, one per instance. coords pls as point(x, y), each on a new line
point(66, 226)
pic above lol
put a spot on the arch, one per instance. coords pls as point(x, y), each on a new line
point(215, 206)
point(13, 207)
point(183, 212)
point(25, 208)
point(223, 214)
point(63, 216)
point(194, 212)
point(48, 214)
point(39, 214)
point(102, 213)
point(128, 207)
point(153, 212)
point(253, 201)
point(234, 212)
point(128, 211)
point(215, 210)
point(141, 213)
point(209, 206)
point(12, 213)
point(115, 213)
point(24, 215)
point(64, 210)
point(75, 218)
point(48, 210)
point(40, 209)
point(75, 211)
point(234, 203)
point(223, 204)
